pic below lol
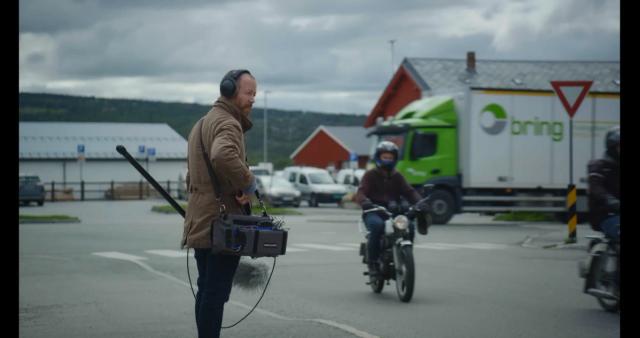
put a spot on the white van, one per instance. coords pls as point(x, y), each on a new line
point(315, 185)
point(350, 178)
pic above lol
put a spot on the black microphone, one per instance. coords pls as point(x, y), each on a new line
point(251, 274)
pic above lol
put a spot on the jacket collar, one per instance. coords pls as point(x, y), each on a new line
point(228, 106)
point(385, 173)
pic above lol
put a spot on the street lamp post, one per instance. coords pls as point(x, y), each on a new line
point(392, 63)
point(264, 141)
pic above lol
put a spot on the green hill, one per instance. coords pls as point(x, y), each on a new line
point(287, 129)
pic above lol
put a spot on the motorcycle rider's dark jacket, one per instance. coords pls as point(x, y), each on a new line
point(604, 188)
point(379, 186)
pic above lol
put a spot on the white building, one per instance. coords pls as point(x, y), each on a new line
point(53, 150)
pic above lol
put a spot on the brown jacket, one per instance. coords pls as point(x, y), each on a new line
point(381, 187)
point(604, 189)
point(223, 130)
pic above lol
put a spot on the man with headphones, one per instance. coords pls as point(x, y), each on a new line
point(221, 131)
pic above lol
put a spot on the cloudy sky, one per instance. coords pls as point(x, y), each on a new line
point(324, 55)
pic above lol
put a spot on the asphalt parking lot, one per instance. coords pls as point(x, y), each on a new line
point(120, 272)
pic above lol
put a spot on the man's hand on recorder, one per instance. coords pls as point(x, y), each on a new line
point(243, 198)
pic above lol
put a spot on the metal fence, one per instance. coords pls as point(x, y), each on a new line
point(112, 190)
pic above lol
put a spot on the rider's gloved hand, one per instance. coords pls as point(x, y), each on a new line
point(422, 206)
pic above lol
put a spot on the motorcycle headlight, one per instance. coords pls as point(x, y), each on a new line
point(401, 222)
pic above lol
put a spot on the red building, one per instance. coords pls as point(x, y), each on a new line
point(333, 147)
point(417, 78)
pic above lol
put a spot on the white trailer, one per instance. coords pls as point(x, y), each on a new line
point(495, 150)
point(519, 140)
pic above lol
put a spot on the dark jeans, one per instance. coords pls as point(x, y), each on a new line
point(375, 225)
point(611, 227)
point(215, 277)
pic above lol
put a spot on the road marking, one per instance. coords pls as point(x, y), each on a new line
point(170, 253)
point(305, 247)
point(118, 255)
point(451, 246)
point(340, 326)
point(485, 246)
point(290, 249)
point(432, 246)
point(136, 260)
point(323, 247)
point(353, 245)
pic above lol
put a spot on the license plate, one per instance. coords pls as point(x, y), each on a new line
point(288, 199)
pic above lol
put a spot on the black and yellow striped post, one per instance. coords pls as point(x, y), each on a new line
point(572, 216)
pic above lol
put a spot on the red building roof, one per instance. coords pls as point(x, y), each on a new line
point(401, 90)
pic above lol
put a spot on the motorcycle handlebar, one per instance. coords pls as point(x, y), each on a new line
point(410, 213)
point(376, 208)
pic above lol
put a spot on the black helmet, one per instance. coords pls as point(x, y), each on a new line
point(612, 140)
point(386, 147)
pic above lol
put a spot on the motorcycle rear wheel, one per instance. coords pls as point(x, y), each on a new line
point(405, 274)
point(605, 283)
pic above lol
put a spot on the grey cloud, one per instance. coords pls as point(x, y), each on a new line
point(302, 47)
point(51, 16)
point(364, 7)
point(35, 58)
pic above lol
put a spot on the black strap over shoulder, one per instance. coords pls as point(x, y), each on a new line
point(216, 184)
point(214, 180)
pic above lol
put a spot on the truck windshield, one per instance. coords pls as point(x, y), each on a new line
point(398, 139)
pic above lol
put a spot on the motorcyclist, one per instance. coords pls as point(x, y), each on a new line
point(382, 186)
point(604, 187)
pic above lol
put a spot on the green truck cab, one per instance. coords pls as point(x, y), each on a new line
point(426, 133)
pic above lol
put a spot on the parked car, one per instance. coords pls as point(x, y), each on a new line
point(259, 171)
point(31, 189)
point(278, 191)
point(350, 178)
point(316, 185)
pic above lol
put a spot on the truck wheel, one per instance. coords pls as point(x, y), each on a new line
point(441, 206)
point(41, 202)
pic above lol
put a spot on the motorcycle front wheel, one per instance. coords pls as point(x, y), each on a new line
point(377, 283)
point(405, 274)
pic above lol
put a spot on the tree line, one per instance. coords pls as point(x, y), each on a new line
point(287, 129)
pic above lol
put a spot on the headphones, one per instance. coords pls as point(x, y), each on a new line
point(228, 85)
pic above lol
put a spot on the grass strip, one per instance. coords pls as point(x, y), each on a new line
point(47, 219)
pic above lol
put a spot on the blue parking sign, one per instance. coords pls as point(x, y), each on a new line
point(80, 148)
point(353, 157)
